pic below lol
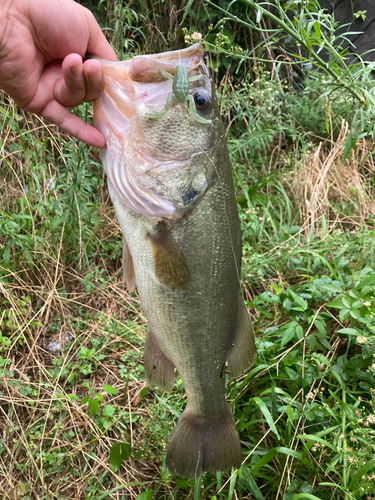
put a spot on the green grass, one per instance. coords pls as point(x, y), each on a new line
point(77, 415)
point(298, 411)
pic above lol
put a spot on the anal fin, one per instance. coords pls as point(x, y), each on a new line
point(170, 266)
point(241, 353)
point(159, 369)
point(128, 267)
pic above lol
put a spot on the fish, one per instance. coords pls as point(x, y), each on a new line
point(170, 181)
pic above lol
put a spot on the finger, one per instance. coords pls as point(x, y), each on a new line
point(94, 78)
point(70, 90)
point(58, 114)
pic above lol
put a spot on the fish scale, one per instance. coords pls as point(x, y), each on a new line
point(186, 261)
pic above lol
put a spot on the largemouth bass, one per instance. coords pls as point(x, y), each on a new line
point(170, 181)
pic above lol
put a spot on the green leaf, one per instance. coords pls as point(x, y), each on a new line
point(71, 377)
point(85, 399)
point(117, 453)
point(331, 288)
point(125, 451)
point(109, 389)
point(317, 30)
point(99, 397)
point(348, 331)
point(146, 495)
point(347, 147)
point(73, 397)
point(344, 314)
point(94, 406)
point(354, 313)
point(115, 458)
point(187, 9)
point(267, 415)
point(299, 300)
point(109, 410)
point(6, 256)
point(299, 332)
point(143, 392)
point(353, 485)
point(232, 484)
point(346, 303)
point(247, 477)
point(368, 281)
point(288, 334)
point(357, 304)
point(264, 460)
point(109, 492)
point(296, 454)
point(197, 488)
point(320, 327)
point(182, 483)
point(307, 39)
point(308, 496)
point(312, 437)
point(367, 351)
point(289, 412)
point(337, 303)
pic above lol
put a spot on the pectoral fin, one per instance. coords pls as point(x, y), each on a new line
point(128, 267)
point(241, 353)
point(159, 369)
point(170, 266)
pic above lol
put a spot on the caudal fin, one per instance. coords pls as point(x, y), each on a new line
point(199, 444)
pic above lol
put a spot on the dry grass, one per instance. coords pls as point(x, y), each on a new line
point(54, 444)
point(324, 185)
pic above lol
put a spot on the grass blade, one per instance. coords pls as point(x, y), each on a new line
point(197, 488)
point(267, 415)
point(187, 10)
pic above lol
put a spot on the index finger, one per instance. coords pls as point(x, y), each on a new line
point(66, 120)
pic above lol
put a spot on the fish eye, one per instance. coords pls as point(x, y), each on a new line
point(202, 100)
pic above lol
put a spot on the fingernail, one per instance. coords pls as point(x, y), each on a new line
point(96, 74)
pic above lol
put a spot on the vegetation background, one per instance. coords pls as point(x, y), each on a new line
point(78, 420)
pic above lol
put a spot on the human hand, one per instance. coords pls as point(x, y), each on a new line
point(42, 45)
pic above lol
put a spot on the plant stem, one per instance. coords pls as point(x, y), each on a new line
point(343, 428)
point(290, 30)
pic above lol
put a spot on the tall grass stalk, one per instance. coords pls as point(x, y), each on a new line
point(198, 488)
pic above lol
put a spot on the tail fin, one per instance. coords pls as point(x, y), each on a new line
point(198, 445)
